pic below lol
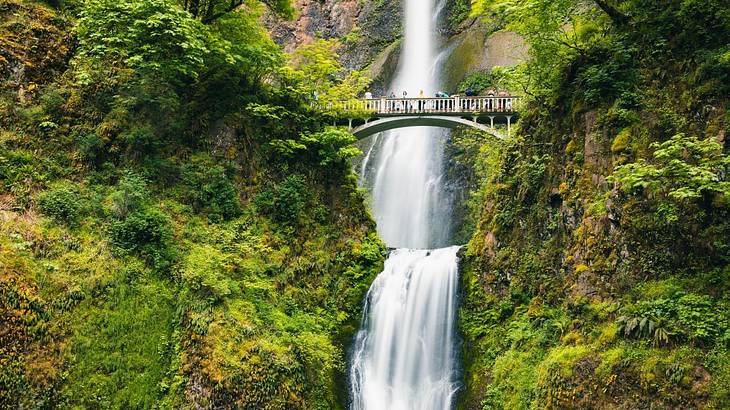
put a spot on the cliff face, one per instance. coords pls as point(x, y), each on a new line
point(477, 49)
point(370, 33)
point(599, 270)
point(366, 28)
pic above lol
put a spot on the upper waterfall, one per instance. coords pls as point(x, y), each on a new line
point(410, 204)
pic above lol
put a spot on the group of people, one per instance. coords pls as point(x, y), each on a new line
point(469, 92)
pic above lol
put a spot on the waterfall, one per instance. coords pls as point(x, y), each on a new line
point(404, 356)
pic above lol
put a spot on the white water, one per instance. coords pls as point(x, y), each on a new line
point(405, 352)
point(409, 203)
point(405, 355)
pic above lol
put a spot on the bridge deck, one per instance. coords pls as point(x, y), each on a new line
point(451, 106)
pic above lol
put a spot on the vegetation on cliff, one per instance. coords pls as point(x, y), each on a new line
point(178, 229)
point(598, 273)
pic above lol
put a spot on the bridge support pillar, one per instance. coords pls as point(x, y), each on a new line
point(509, 122)
point(491, 121)
point(475, 119)
point(349, 124)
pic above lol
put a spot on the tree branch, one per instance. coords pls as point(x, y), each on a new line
point(231, 7)
point(615, 14)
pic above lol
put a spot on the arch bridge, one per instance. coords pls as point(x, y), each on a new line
point(369, 116)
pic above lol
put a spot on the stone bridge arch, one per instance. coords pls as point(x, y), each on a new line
point(391, 123)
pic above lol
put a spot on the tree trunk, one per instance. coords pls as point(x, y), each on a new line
point(617, 16)
point(194, 7)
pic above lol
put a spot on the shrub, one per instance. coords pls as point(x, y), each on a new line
point(91, 148)
point(682, 168)
point(141, 141)
point(209, 190)
point(682, 317)
point(147, 233)
point(62, 204)
point(206, 270)
point(284, 202)
point(478, 82)
point(129, 196)
point(52, 102)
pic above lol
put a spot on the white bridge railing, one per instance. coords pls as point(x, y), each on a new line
point(439, 105)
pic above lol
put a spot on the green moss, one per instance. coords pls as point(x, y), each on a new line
point(561, 360)
point(610, 360)
point(622, 141)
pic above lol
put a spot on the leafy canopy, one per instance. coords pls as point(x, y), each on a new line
point(152, 36)
point(681, 168)
point(315, 72)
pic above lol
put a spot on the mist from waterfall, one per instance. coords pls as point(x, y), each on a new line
point(405, 354)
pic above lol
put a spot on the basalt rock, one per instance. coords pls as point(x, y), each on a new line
point(366, 28)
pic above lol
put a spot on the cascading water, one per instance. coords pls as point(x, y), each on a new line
point(405, 352)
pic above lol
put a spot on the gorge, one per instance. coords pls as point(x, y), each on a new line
point(187, 222)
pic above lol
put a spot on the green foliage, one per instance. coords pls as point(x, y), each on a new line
point(331, 146)
point(240, 39)
point(621, 142)
point(479, 81)
point(122, 346)
point(458, 12)
point(147, 233)
point(682, 168)
point(496, 79)
point(314, 72)
point(154, 37)
point(145, 297)
point(211, 10)
point(604, 77)
point(207, 271)
point(130, 195)
point(683, 317)
point(62, 204)
point(284, 201)
point(208, 189)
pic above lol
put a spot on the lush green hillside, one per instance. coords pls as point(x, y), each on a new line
point(177, 229)
point(598, 276)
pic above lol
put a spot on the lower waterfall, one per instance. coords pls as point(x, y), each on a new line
point(405, 357)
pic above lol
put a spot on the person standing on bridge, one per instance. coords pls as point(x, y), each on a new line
point(368, 95)
point(392, 95)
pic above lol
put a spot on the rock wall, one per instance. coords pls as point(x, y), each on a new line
point(478, 49)
point(366, 28)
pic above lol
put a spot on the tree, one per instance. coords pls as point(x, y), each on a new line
point(209, 11)
point(315, 72)
point(150, 36)
point(557, 31)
